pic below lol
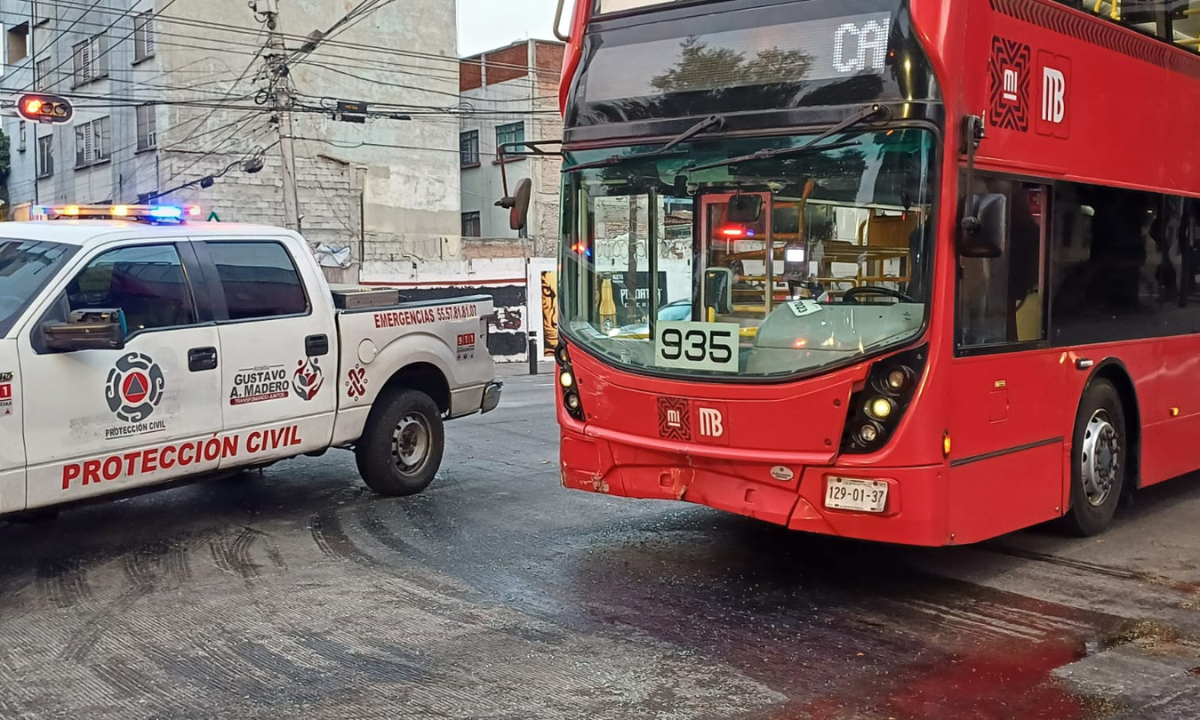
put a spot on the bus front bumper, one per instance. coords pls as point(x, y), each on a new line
point(774, 489)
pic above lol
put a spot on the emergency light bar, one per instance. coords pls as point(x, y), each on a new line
point(143, 213)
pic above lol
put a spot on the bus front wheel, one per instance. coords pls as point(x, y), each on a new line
point(1099, 460)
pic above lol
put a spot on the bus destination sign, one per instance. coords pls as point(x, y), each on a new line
point(790, 52)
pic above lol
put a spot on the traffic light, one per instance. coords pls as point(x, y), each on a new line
point(36, 107)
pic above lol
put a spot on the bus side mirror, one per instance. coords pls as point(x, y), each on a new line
point(984, 226)
point(518, 204)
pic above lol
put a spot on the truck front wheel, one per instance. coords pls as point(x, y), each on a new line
point(401, 447)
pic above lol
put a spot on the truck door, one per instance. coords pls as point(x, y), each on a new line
point(99, 421)
point(279, 379)
point(12, 445)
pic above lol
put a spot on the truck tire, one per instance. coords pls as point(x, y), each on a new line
point(401, 448)
point(1099, 460)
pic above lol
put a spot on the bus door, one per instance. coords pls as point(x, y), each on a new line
point(1008, 407)
point(739, 272)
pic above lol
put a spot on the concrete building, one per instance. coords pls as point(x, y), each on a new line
point(513, 95)
point(170, 92)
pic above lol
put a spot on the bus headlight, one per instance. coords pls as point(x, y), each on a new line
point(877, 407)
point(567, 385)
point(880, 408)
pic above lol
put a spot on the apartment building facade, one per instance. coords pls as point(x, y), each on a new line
point(513, 93)
point(173, 97)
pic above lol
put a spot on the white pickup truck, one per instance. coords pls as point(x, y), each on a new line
point(136, 354)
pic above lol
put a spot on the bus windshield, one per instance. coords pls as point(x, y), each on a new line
point(748, 257)
point(25, 267)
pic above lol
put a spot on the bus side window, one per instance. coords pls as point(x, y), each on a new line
point(1123, 265)
point(1000, 300)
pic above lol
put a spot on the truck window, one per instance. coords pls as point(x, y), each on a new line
point(259, 280)
point(145, 281)
point(25, 268)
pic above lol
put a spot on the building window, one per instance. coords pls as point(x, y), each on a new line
point(22, 143)
point(92, 142)
point(18, 43)
point(470, 225)
point(143, 37)
point(41, 74)
point(511, 133)
point(147, 135)
point(468, 148)
point(90, 59)
point(45, 156)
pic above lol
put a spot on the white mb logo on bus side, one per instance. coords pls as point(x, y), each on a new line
point(711, 423)
point(1054, 91)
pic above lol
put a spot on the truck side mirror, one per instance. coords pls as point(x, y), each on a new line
point(984, 228)
point(86, 330)
point(518, 204)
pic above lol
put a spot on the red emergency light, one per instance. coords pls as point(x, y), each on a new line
point(736, 231)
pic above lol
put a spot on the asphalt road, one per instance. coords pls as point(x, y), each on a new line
point(297, 593)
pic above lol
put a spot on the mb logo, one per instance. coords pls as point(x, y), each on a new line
point(1011, 84)
point(1054, 90)
point(1055, 75)
point(712, 424)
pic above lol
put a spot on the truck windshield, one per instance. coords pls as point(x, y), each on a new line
point(25, 268)
point(748, 257)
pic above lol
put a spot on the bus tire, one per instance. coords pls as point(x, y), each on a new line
point(401, 448)
point(1099, 460)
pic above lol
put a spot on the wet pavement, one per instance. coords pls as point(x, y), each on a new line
point(297, 593)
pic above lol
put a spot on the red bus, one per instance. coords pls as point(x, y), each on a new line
point(912, 271)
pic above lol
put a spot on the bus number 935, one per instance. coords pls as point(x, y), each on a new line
point(697, 346)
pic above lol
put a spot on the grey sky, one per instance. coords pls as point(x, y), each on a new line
point(487, 24)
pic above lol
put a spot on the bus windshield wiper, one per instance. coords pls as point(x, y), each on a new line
point(811, 146)
point(712, 121)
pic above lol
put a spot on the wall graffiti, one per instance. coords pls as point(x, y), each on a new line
point(549, 312)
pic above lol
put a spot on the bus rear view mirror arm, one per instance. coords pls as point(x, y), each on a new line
point(982, 228)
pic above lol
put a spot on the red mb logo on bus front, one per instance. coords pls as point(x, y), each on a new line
point(674, 418)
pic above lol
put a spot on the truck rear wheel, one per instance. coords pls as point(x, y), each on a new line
point(401, 447)
point(1099, 455)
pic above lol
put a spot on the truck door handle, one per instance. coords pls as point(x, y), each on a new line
point(200, 359)
point(316, 345)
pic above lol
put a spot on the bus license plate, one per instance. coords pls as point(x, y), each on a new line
point(861, 495)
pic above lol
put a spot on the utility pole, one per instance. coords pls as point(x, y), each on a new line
point(280, 80)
